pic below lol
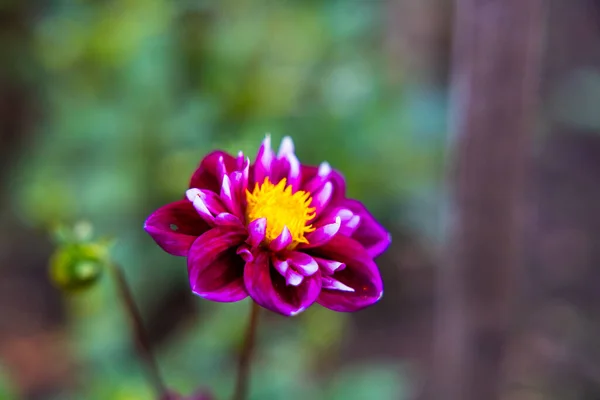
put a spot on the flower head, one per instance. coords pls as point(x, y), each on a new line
point(283, 233)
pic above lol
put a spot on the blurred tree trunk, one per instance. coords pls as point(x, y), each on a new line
point(497, 46)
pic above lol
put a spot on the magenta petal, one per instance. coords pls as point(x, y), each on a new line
point(227, 219)
point(175, 226)
point(303, 263)
point(321, 198)
point(244, 252)
point(207, 174)
point(329, 267)
point(215, 270)
point(221, 168)
point(374, 237)
point(289, 162)
point(330, 283)
point(361, 274)
point(264, 160)
point(281, 266)
point(257, 230)
point(349, 221)
point(227, 195)
point(293, 278)
point(194, 196)
point(282, 241)
point(322, 235)
point(268, 288)
point(319, 179)
point(211, 200)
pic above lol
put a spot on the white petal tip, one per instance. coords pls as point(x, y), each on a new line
point(324, 169)
point(298, 311)
point(191, 194)
point(286, 146)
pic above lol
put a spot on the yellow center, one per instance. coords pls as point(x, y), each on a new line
point(280, 207)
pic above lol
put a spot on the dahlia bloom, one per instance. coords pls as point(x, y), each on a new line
point(281, 232)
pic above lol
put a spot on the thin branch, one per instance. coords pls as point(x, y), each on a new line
point(140, 336)
point(243, 376)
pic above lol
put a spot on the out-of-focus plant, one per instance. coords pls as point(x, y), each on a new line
point(77, 264)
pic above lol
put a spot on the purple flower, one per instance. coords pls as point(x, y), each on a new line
point(283, 233)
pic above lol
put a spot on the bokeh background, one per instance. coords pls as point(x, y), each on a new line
point(106, 108)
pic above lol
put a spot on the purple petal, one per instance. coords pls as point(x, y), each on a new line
point(286, 147)
point(175, 226)
point(374, 237)
point(322, 235)
point(200, 205)
point(256, 231)
point(227, 194)
point(244, 252)
point(321, 198)
point(269, 289)
point(282, 241)
point(329, 267)
point(227, 219)
point(293, 278)
point(281, 266)
point(215, 270)
point(207, 174)
point(330, 283)
point(360, 274)
point(264, 160)
point(337, 180)
point(303, 263)
point(349, 221)
point(221, 168)
point(288, 162)
point(319, 179)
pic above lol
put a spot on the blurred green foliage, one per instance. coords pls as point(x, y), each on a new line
point(135, 92)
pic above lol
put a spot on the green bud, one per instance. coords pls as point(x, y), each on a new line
point(77, 266)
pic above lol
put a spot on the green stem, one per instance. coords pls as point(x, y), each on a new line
point(243, 376)
point(140, 337)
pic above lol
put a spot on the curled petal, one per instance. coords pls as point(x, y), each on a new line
point(240, 161)
point(175, 226)
point(322, 235)
point(281, 266)
point(329, 267)
point(349, 220)
point(212, 201)
point(202, 208)
point(286, 147)
point(303, 263)
point(244, 252)
point(288, 164)
point(227, 195)
point(293, 278)
point(206, 203)
point(361, 274)
point(215, 269)
point(282, 241)
point(269, 289)
point(330, 283)
point(264, 160)
point(321, 198)
point(207, 174)
point(319, 179)
point(256, 231)
point(227, 219)
point(221, 168)
point(374, 237)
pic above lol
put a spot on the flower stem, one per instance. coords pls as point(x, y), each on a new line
point(241, 386)
point(140, 337)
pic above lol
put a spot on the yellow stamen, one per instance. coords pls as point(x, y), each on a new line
point(280, 207)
